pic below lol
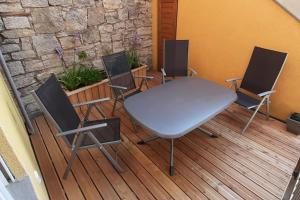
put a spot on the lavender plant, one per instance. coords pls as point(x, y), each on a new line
point(132, 55)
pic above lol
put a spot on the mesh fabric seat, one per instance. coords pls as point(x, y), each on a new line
point(246, 100)
point(260, 78)
point(175, 59)
point(105, 135)
point(76, 133)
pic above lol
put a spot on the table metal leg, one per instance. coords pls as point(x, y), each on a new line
point(172, 158)
point(149, 139)
point(211, 134)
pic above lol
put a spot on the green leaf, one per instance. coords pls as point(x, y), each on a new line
point(80, 76)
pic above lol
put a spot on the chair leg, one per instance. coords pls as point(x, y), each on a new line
point(171, 170)
point(114, 107)
point(105, 152)
point(267, 108)
point(73, 155)
point(133, 124)
point(253, 115)
point(141, 84)
point(146, 83)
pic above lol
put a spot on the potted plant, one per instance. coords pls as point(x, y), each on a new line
point(80, 75)
point(293, 123)
point(132, 54)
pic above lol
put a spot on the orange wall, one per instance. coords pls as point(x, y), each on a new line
point(223, 33)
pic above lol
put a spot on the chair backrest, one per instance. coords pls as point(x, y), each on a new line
point(263, 70)
point(176, 53)
point(119, 72)
point(57, 106)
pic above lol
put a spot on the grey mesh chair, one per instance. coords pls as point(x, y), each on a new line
point(121, 78)
point(76, 133)
point(175, 60)
point(260, 78)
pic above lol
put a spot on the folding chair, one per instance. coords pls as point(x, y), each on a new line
point(77, 134)
point(175, 58)
point(121, 78)
point(259, 80)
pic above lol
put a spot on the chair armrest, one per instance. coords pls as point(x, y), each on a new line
point(80, 130)
point(267, 93)
point(163, 72)
point(91, 102)
point(144, 77)
point(194, 72)
point(233, 82)
point(118, 87)
point(233, 79)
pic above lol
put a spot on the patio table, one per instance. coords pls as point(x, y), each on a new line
point(174, 109)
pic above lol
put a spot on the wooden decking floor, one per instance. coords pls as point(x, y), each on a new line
point(256, 165)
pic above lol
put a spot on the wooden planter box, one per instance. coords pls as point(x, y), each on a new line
point(101, 89)
point(293, 126)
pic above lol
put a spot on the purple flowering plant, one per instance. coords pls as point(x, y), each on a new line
point(132, 55)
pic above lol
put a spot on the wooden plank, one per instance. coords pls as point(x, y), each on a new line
point(272, 128)
point(89, 94)
point(238, 188)
point(51, 180)
point(132, 181)
point(251, 146)
point(70, 185)
point(262, 139)
point(101, 91)
point(82, 98)
point(199, 171)
point(83, 179)
point(147, 180)
point(182, 169)
point(161, 177)
point(256, 165)
point(74, 99)
point(247, 159)
point(243, 170)
point(95, 92)
point(180, 180)
point(114, 178)
point(129, 146)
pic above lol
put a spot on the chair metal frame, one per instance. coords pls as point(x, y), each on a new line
point(121, 98)
point(263, 96)
point(191, 71)
point(292, 191)
point(81, 132)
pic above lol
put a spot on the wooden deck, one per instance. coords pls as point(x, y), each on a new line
point(256, 165)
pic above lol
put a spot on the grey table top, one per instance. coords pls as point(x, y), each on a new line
point(178, 107)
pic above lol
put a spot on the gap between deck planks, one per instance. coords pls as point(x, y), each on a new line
point(256, 165)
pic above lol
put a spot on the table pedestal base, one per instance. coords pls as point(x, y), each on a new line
point(211, 134)
point(171, 169)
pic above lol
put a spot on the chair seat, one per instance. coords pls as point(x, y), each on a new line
point(108, 134)
point(245, 100)
point(132, 93)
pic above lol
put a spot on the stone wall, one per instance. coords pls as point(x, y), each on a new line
point(32, 29)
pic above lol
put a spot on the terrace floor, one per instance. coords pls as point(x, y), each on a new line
point(256, 165)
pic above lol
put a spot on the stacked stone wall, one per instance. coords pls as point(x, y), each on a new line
point(31, 30)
